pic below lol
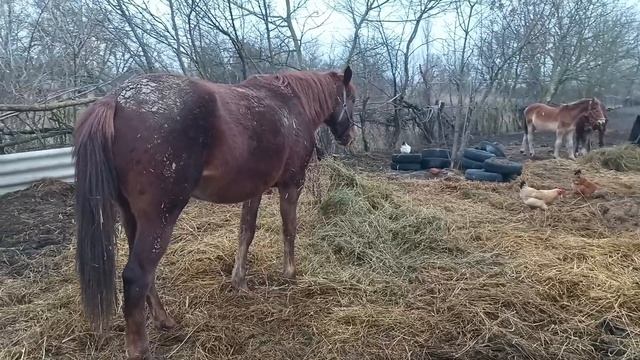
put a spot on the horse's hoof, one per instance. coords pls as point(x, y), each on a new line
point(240, 285)
point(143, 355)
point(289, 272)
point(165, 324)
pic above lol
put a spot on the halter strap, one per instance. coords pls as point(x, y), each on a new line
point(344, 111)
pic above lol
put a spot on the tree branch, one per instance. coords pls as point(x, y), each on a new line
point(46, 107)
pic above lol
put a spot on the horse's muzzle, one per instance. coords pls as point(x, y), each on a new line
point(348, 138)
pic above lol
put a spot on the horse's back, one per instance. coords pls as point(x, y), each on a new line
point(161, 133)
point(538, 109)
point(251, 141)
point(224, 143)
point(541, 117)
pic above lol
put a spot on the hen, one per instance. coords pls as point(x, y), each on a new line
point(535, 198)
point(582, 186)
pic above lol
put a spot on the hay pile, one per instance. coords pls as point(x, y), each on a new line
point(387, 269)
point(619, 158)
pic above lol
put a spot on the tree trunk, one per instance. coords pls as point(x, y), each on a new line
point(363, 121)
point(294, 37)
point(176, 34)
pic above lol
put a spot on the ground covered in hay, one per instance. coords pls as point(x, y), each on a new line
point(397, 269)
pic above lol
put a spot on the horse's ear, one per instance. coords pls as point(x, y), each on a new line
point(347, 75)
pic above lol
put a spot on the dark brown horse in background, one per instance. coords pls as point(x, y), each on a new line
point(561, 120)
point(161, 139)
point(584, 129)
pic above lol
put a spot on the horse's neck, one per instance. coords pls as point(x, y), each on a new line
point(311, 103)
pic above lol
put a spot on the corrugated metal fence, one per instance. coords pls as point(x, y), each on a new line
point(18, 171)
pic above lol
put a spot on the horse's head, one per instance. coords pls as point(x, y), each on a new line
point(341, 120)
point(596, 113)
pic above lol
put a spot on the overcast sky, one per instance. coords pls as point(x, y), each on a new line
point(336, 27)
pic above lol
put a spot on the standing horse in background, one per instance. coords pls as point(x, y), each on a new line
point(584, 129)
point(161, 139)
point(561, 120)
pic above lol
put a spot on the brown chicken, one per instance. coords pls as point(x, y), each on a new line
point(540, 199)
point(582, 186)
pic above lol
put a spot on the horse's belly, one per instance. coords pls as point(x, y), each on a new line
point(233, 186)
point(545, 126)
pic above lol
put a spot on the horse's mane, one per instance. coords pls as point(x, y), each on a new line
point(581, 101)
point(315, 90)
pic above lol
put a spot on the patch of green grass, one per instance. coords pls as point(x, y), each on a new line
point(368, 226)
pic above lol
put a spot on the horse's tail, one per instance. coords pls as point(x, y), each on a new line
point(96, 191)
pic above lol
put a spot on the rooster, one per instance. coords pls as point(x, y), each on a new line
point(539, 198)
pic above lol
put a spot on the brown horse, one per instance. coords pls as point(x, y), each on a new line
point(561, 120)
point(161, 139)
point(584, 129)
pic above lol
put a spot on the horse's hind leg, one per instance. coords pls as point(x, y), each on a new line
point(530, 141)
point(247, 232)
point(523, 147)
point(152, 238)
point(161, 320)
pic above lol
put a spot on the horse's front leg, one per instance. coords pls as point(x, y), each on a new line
point(577, 145)
point(601, 131)
point(569, 143)
point(289, 195)
point(587, 146)
point(247, 233)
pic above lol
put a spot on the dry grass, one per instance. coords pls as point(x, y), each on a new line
point(387, 269)
point(619, 158)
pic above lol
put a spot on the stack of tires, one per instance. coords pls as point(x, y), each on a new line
point(487, 162)
point(436, 158)
point(406, 162)
point(428, 159)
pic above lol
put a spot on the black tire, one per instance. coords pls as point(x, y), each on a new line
point(481, 175)
point(405, 167)
point(471, 164)
point(436, 153)
point(510, 177)
point(502, 166)
point(406, 158)
point(437, 163)
point(482, 145)
point(477, 155)
point(495, 148)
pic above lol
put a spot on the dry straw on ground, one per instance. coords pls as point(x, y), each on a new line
point(409, 269)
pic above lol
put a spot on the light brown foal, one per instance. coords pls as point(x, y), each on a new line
point(562, 120)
